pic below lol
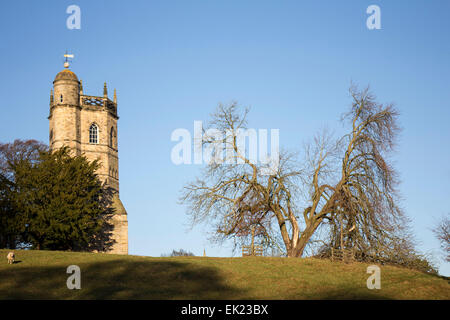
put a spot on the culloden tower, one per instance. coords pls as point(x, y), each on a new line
point(88, 125)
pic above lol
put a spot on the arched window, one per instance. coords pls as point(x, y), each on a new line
point(51, 136)
point(93, 133)
point(61, 98)
point(112, 138)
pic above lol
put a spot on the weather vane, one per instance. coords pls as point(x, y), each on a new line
point(67, 56)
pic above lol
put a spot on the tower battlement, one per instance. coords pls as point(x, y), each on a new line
point(94, 103)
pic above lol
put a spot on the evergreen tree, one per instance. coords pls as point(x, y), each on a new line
point(7, 220)
point(60, 198)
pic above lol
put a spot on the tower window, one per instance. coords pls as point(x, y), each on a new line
point(112, 138)
point(61, 98)
point(93, 133)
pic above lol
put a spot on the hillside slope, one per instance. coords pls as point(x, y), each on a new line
point(42, 275)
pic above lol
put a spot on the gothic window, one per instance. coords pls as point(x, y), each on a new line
point(61, 98)
point(93, 133)
point(112, 138)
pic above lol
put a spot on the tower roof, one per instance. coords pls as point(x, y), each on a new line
point(66, 74)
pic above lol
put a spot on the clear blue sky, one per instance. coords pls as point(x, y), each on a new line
point(292, 62)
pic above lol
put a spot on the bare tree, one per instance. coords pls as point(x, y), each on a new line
point(11, 226)
point(359, 197)
point(19, 150)
point(234, 194)
point(442, 232)
point(349, 177)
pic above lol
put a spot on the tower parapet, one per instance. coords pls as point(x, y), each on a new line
point(97, 103)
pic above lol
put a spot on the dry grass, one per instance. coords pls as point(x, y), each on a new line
point(42, 275)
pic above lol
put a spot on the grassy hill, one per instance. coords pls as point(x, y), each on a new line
point(42, 275)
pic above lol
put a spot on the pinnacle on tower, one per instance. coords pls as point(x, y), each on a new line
point(105, 91)
point(115, 96)
point(51, 96)
point(81, 86)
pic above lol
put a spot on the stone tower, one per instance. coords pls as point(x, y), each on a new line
point(88, 125)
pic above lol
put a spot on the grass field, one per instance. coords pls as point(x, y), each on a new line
point(42, 275)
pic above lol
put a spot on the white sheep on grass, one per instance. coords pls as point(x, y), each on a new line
point(11, 256)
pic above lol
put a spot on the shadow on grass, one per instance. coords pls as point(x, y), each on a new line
point(343, 294)
point(118, 279)
point(346, 295)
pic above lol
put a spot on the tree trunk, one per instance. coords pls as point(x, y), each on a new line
point(253, 240)
point(298, 249)
point(12, 242)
